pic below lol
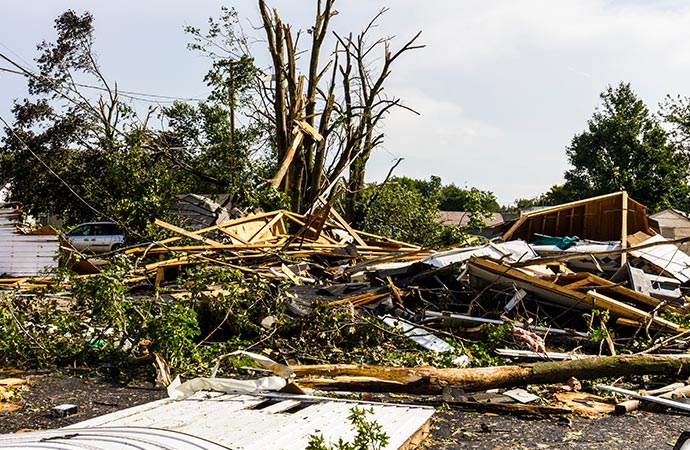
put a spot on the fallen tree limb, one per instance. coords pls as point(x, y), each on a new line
point(516, 409)
point(431, 380)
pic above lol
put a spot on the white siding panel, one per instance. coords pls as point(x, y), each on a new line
point(25, 255)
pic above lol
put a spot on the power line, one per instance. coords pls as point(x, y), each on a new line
point(127, 94)
point(25, 145)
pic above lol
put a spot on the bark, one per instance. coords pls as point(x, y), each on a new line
point(302, 173)
point(430, 380)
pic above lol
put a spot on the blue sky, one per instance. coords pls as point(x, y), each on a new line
point(502, 86)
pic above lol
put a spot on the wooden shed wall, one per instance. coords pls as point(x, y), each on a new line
point(597, 219)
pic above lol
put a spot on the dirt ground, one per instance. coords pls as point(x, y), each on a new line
point(451, 429)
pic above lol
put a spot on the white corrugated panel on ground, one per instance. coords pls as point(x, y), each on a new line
point(278, 421)
point(106, 439)
point(25, 255)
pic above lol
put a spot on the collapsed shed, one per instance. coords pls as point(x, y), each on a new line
point(605, 218)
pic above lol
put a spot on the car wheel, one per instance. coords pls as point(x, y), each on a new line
point(115, 247)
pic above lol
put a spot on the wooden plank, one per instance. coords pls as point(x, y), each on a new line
point(624, 228)
point(622, 309)
point(343, 223)
point(552, 291)
point(263, 229)
point(188, 234)
point(629, 295)
point(576, 284)
point(233, 235)
point(207, 229)
point(558, 223)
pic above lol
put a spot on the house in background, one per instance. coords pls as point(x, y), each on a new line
point(462, 219)
point(674, 224)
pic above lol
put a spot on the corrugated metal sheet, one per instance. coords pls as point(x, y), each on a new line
point(666, 257)
point(276, 421)
point(112, 438)
point(24, 255)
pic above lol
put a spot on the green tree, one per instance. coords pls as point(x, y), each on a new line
point(625, 147)
point(453, 198)
point(408, 209)
point(76, 154)
point(397, 211)
point(676, 114)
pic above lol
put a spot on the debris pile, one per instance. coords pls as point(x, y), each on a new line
point(588, 290)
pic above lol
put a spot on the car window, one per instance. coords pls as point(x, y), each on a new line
point(81, 230)
point(111, 229)
point(97, 230)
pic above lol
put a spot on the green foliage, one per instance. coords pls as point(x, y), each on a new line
point(494, 336)
point(625, 147)
point(408, 210)
point(205, 138)
point(453, 198)
point(100, 324)
point(396, 211)
point(597, 324)
point(370, 435)
point(80, 157)
point(86, 158)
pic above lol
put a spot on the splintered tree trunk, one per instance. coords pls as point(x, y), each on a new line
point(430, 380)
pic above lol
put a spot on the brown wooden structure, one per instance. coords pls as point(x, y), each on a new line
point(609, 217)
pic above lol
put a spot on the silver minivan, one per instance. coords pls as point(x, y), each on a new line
point(96, 237)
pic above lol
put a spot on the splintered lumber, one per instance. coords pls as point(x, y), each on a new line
point(632, 405)
point(588, 281)
point(431, 380)
point(188, 234)
point(515, 409)
point(549, 290)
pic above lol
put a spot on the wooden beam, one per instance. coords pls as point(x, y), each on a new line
point(559, 294)
point(189, 234)
point(431, 380)
point(624, 228)
point(268, 225)
point(625, 310)
point(343, 223)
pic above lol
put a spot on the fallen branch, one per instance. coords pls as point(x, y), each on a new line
point(431, 380)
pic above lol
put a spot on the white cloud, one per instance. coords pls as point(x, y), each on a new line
point(439, 133)
point(502, 85)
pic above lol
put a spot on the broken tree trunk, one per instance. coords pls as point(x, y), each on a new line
point(430, 380)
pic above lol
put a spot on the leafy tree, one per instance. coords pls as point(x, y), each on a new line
point(453, 198)
point(204, 139)
point(399, 212)
point(314, 127)
point(76, 154)
point(676, 114)
point(624, 147)
point(556, 195)
point(408, 209)
point(430, 189)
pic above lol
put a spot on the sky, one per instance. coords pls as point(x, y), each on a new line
point(501, 87)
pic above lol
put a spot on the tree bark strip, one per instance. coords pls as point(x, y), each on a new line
point(430, 380)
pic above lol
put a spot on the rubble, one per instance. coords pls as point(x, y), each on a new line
point(572, 286)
